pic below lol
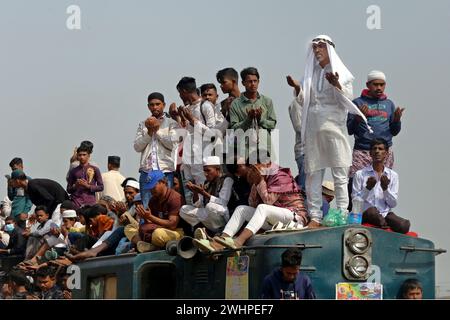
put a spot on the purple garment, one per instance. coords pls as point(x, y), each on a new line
point(79, 195)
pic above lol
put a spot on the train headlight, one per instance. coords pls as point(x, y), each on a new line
point(357, 249)
point(358, 266)
point(358, 243)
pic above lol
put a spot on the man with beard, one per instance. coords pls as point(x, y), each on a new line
point(325, 97)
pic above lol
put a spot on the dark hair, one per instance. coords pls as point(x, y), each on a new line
point(9, 218)
point(114, 161)
point(156, 95)
point(18, 277)
point(378, 141)
point(95, 211)
point(124, 183)
point(187, 84)
point(291, 257)
point(83, 211)
point(68, 205)
point(15, 161)
point(41, 208)
point(84, 148)
point(45, 271)
point(21, 176)
point(227, 73)
point(409, 284)
point(207, 86)
point(87, 144)
point(250, 71)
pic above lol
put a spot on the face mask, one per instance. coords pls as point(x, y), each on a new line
point(9, 227)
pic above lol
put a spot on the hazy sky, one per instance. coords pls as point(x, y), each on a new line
point(61, 86)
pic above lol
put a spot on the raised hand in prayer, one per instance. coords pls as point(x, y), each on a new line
point(333, 79)
point(398, 114)
point(182, 114)
point(258, 113)
point(118, 208)
point(384, 180)
point(152, 125)
point(82, 183)
point(145, 214)
point(371, 182)
point(67, 294)
point(173, 110)
point(364, 109)
point(251, 113)
point(226, 105)
point(194, 188)
point(32, 218)
point(73, 158)
point(189, 116)
point(294, 84)
point(253, 175)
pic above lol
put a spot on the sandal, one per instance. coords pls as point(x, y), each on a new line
point(200, 234)
point(204, 245)
point(227, 242)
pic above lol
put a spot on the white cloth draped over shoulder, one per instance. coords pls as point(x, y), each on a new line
point(324, 113)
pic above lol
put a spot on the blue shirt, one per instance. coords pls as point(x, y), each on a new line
point(380, 118)
point(274, 286)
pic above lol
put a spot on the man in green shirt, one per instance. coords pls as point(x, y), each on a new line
point(252, 111)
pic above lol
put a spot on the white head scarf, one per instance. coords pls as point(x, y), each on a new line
point(345, 77)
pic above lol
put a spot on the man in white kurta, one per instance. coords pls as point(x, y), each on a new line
point(325, 97)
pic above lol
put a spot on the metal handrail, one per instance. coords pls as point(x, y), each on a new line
point(412, 249)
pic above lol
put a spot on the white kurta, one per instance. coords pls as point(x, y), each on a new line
point(326, 138)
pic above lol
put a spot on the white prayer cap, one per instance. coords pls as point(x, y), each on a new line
point(211, 161)
point(376, 75)
point(69, 214)
point(324, 38)
point(133, 184)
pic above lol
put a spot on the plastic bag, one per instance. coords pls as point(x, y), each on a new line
point(335, 218)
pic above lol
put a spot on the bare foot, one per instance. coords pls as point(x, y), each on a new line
point(216, 245)
point(81, 256)
point(314, 224)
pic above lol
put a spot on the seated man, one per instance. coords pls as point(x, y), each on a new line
point(275, 197)
point(159, 223)
point(17, 242)
point(211, 200)
point(288, 282)
point(43, 238)
point(241, 188)
point(377, 187)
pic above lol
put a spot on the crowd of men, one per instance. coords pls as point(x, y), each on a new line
point(207, 169)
